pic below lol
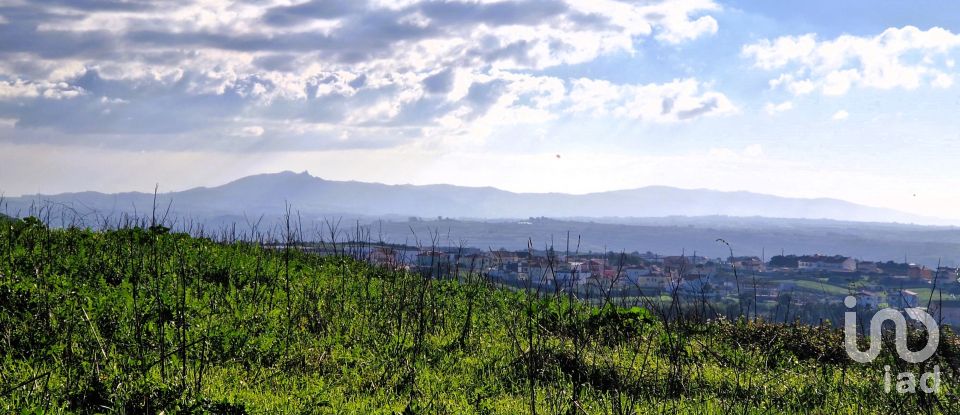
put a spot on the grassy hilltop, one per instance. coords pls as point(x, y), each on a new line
point(143, 320)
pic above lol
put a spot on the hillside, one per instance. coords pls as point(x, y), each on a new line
point(142, 320)
point(266, 194)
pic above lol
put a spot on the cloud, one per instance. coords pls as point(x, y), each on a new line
point(252, 131)
point(104, 5)
point(774, 109)
point(493, 13)
point(905, 58)
point(46, 90)
point(677, 100)
point(683, 29)
point(394, 70)
point(840, 115)
point(316, 9)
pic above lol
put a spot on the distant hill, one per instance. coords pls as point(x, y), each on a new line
point(268, 193)
point(661, 219)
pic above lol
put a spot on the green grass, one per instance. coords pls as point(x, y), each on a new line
point(136, 320)
point(817, 286)
point(923, 294)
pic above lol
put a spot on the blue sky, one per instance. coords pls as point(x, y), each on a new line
point(852, 100)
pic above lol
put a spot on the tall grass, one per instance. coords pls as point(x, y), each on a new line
point(146, 315)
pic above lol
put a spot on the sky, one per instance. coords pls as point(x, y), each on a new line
point(856, 100)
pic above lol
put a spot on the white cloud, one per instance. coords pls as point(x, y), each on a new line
point(773, 109)
point(349, 64)
point(523, 99)
point(19, 89)
point(840, 115)
point(252, 131)
point(669, 21)
point(677, 100)
point(679, 27)
point(796, 87)
point(905, 58)
point(942, 81)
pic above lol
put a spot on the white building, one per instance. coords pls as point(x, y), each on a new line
point(633, 273)
point(870, 299)
point(827, 263)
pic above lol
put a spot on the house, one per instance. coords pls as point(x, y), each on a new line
point(834, 263)
point(475, 261)
point(571, 273)
point(595, 266)
point(635, 272)
point(570, 277)
point(868, 267)
point(762, 291)
point(903, 299)
point(707, 268)
point(947, 274)
point(514, 267)
point(563, 273)
point(649, 281)
point(385, 256)
point(748, 263)
point(694, 285)
point(676, 262)
point(766, 292)
point(539, 272)
point(504, 256)
point(870, 299)
point(432, 258)
point(920, 272)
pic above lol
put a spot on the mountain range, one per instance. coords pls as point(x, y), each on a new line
point(660, 219)
point(268, 194)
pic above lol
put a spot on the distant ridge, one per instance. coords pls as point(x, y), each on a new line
point(268, 193)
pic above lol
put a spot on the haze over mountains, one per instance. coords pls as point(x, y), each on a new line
point(268, 193)
point(665, 220)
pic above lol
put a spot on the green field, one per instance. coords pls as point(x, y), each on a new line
point(923, 294)
point(817, 286)
point(144, 321)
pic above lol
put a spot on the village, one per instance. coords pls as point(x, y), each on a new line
point(783, 287)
